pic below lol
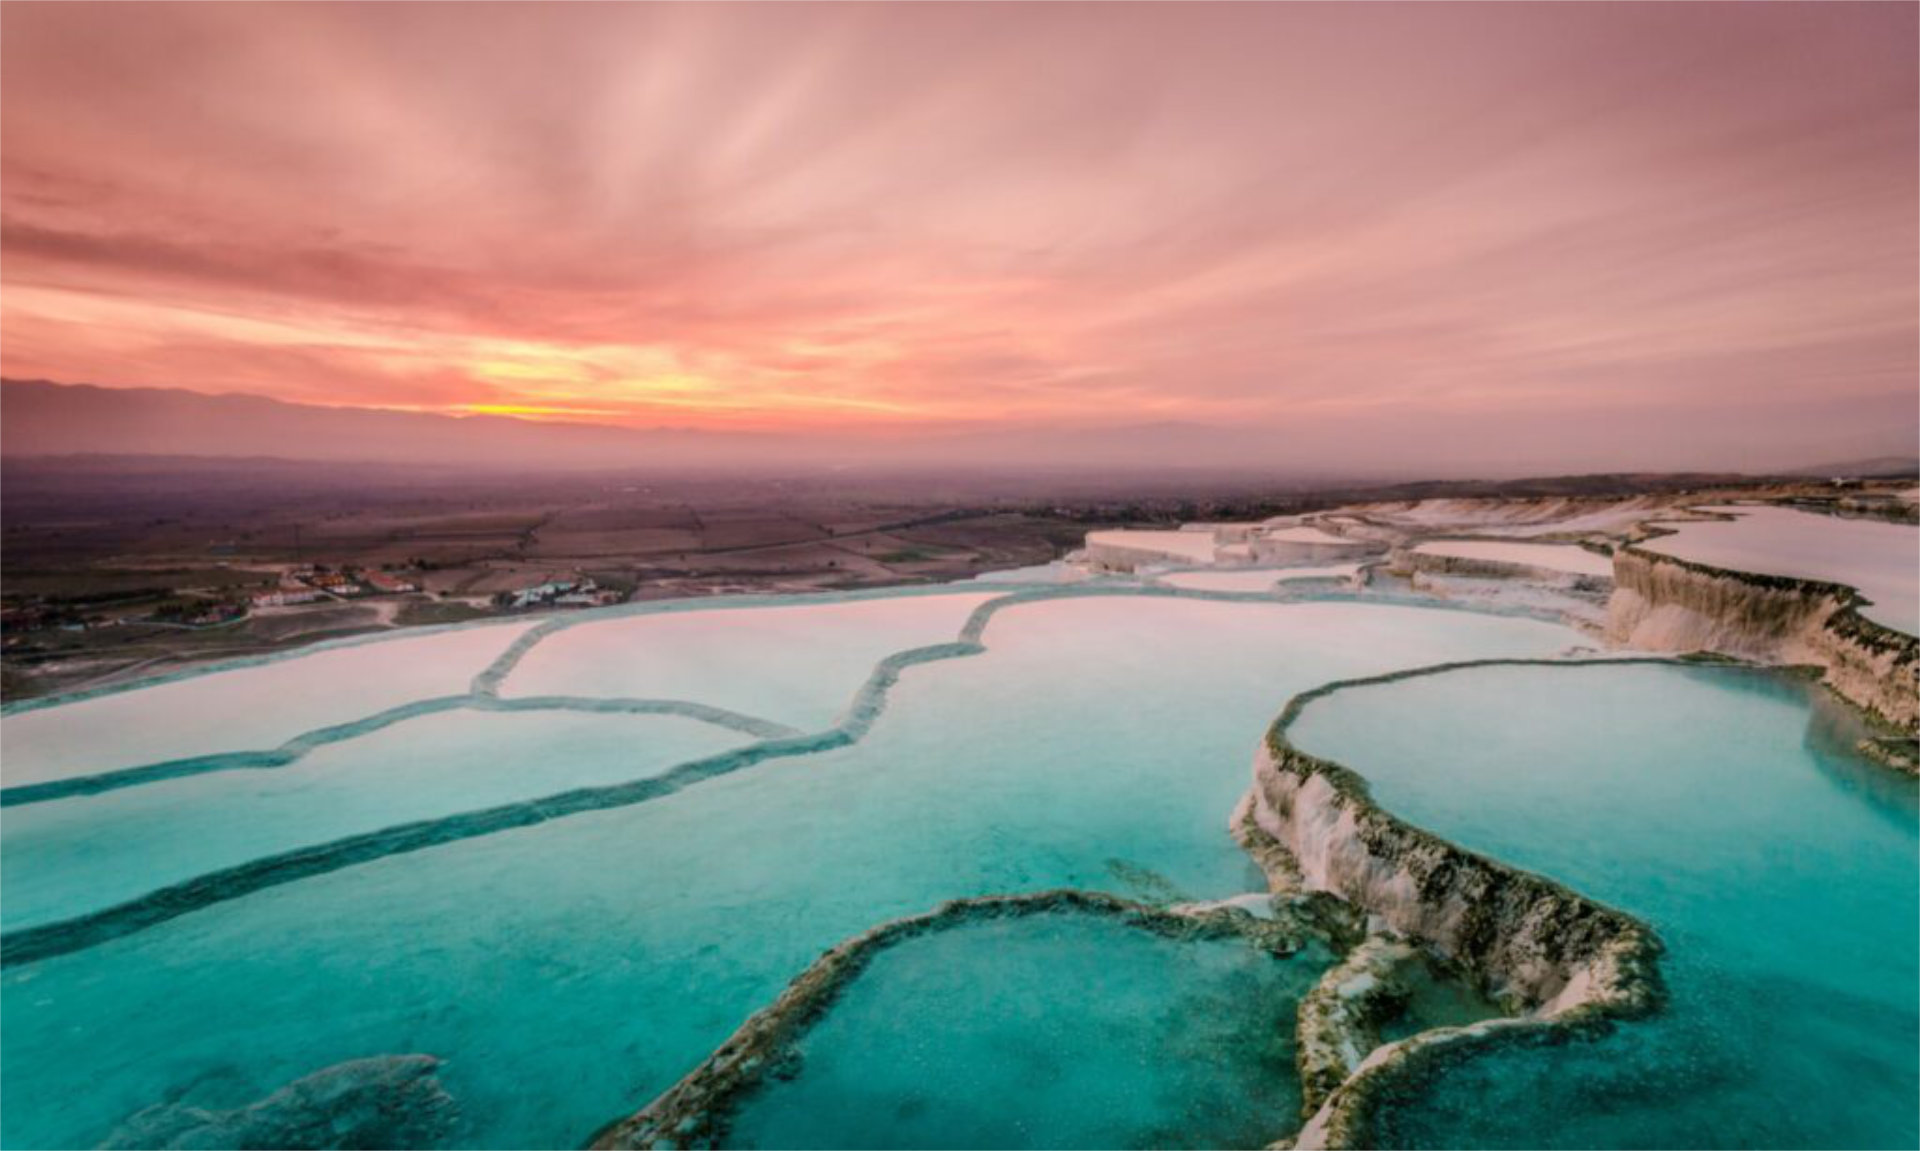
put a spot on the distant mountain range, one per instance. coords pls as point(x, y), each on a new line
point(1876, 468)
point(40, 418)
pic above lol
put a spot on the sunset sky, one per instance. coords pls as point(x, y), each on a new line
point(1670, 222)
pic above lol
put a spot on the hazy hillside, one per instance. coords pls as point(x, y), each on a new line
point(42, 418)
point(39, 418)
point(1861, 469)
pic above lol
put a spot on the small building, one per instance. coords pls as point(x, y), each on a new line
point(540, 593)
point(382, 582)
point(337, 583)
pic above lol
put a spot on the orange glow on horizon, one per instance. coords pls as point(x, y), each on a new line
point(867, 218)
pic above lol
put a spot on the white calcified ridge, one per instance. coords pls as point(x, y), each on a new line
point(1661, 603)
point(1557, 958)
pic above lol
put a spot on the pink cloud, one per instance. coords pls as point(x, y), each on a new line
point(855, 215)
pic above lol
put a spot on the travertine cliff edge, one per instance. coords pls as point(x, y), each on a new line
point(1661, 603)
point(1408, 561)
point(1530, 940)
point(1339, 1020)
point(1555, 957)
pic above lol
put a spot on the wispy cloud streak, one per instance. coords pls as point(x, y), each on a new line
point(870, 216)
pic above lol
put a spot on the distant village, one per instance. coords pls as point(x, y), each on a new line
point(292, 587)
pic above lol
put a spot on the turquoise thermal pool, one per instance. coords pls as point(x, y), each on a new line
point(796, 665)
point(1726, 808)
point(1050, 1031)
point(83, 853)
point(248, 708)
point(568, 860)
point(1099, 741)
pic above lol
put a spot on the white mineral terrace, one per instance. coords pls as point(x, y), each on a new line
point(1879, 558)
point(1522, 518)
point(1255, 579)
point(1555, 557)
point(1191, 547)
point(1304, 535)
